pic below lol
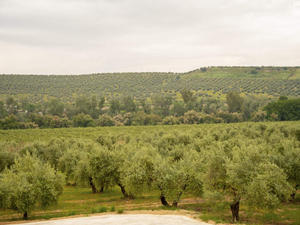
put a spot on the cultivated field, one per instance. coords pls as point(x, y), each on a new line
point(209, 157)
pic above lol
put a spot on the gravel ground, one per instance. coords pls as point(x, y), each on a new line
point(138, 219)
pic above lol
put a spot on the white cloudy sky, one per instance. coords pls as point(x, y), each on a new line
point(84, 36)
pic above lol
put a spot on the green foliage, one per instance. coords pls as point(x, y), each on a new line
point(106, 121)
point(101, 209)
point(268, 188)
point(56, 107)
point(187, 96)
point(29, 182)
point(6, 159)
point(120, 211)
point(83, 120)
point(247, 164)
point(285, 109)
point(234, 101)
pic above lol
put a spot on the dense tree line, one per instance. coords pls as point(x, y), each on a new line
point(159, 109)
point(257, 165)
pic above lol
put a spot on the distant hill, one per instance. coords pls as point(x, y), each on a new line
point(273, 81)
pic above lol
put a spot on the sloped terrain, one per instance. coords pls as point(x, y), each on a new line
point(274, 81)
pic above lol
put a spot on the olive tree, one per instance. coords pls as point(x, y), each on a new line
point(101, 168)
point(246, 174)
point(68, 163)
point(172, 176)
point(83, 172)
point(6, 159)
point(287, 157)
point(29, 182)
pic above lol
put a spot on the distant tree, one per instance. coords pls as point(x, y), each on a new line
point(234, 101)
point(146, 106)
point(170, 120)
point(128, 104)
point(93, 110)
point(12, 105)
point(115, 107)
point(139, 118)
point(59, 122)
point(83, 120)
point(105, 121)
point(249, 107)
point(152, 119)
point(82, 105)
point(187, 96)
point(178, 109)
point(284, 109)
point(127, 119)
point(162, 105)
point(231, 117)
point(3, 112)
point(28, 106)
point(192, 117)
point(101, 104)
point(9, 122)
point(55, 107)
point(259, 116)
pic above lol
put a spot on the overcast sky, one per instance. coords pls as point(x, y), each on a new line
point(86, 36)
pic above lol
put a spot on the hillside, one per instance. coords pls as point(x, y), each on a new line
point(273, 81)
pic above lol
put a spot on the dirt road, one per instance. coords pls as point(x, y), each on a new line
point(135, 219)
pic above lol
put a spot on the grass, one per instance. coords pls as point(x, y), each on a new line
point(120, 211)
point(219, 212)
point(80, 201)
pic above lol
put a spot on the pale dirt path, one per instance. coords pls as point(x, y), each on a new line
point(127, 219)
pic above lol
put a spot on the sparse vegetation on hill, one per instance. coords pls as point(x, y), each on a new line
point(273, 81)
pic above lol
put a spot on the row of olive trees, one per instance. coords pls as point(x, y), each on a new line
point(247, 172)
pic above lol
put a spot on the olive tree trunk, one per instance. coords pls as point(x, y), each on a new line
point(101, 189)
point(293, 195)
point(235, 207)
point(124, 192)
point(94, 190)
point(175, 202)
point(25, 216)
point(164, 201)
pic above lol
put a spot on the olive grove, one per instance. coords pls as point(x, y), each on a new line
point(257, 165)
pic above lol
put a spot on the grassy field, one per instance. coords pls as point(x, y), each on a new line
point(80, 201)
